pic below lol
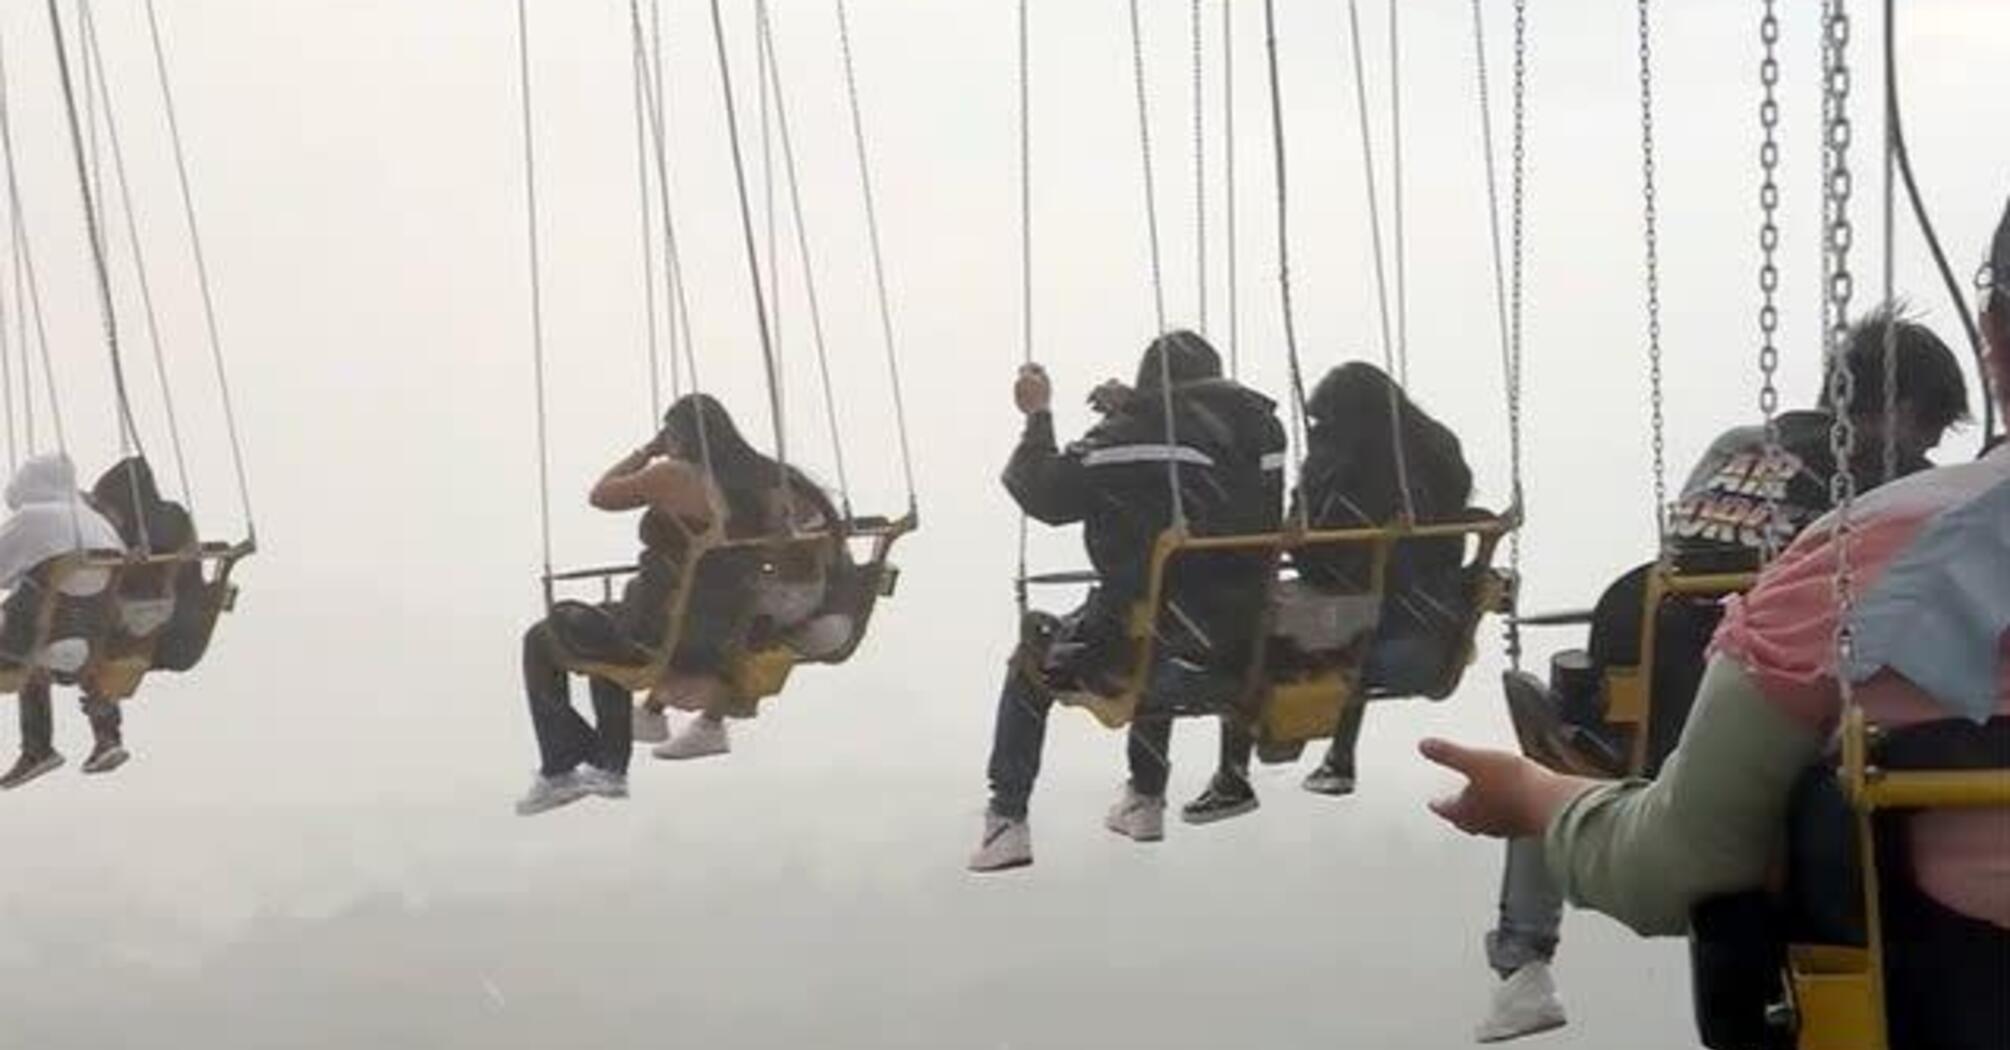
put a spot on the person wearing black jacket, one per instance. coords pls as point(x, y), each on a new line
point(1350, 479)
point(1225, 449)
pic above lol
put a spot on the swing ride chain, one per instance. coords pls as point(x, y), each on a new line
point(1769, 270)
point(1228, 188)
point(1199, 164)
point(1653, 240)
point(1837, 238)
point(1510, 357)
point(1025, 257)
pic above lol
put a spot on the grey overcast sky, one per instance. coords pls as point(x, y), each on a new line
point(314, 847)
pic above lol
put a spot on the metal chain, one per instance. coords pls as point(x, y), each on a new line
point(1145, 150)
point(1398, 239)
point(1229, 204)
point(1837, 242)
point(648, 211)
point(1653, 242)
point(1769, 274)
point(1199, 161)
point(536, 260)
point(1278, 151)
point(1025, 256)
point(1510, 356)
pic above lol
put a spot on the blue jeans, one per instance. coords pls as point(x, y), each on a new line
point(1531, 910)
point(1019, 735)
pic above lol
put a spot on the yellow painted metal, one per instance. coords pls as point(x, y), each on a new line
point(1629, 691)
point(1836, 1004)
point(1307, 708)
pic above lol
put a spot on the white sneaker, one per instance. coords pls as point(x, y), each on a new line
point(1141, 818)
point(702, 737)
point(594, 780)
point(549, 793)
point(1524, 1004)
point(651, 726)
point(1007, 844)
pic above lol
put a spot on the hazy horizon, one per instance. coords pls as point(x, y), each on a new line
point(314, 846)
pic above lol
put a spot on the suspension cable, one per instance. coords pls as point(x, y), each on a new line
point(1769, 270)
point(1837, 242)
point(657, 106)
point(536, 283)
point(878, 256)
point(1019, 589)
point(1510, 352)
point(1158, 278)
point(7, 378)
point(1396, 196)
point(1229, 204)
point(1895, 118)
point(673, 326)
point(1278, 153)
point(642, 73)
point(1652, 229)
point(803, 249)
point(26, 273)
point(108, 312)
point(1399, 453)
point(209, 312)
point(763, 58)
point(1199, 160)
point(754, 270)
point(94, 69)
point(1888, 216)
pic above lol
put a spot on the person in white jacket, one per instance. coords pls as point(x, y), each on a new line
point(49, 519)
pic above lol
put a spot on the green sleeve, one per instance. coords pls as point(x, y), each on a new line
point(1710, 823)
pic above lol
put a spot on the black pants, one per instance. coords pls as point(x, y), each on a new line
point(38, 725)
point(564, 739)
point(1946, 976)
point(1019, 735)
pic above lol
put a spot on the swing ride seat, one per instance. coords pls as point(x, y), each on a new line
point(1806, 968)
point(1632, 728)
point(121, 631)
point(128, 647)
point(757, 665)
point(1291, 706)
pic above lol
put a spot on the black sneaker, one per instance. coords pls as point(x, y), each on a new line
point(28, 767)
point(1226, 796)
point(106, 756)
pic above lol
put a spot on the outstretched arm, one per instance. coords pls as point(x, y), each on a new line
point(1645, 852)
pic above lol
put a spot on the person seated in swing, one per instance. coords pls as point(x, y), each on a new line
point(1224, 446)
point(697, 477)
point(1736, 504)
point(48, 521)
point(1350, 479)
point(1931, 643)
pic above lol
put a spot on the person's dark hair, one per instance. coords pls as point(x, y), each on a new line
point(1349, 414)
point(1184, 354)
point(697, 429)
point(1929, 375)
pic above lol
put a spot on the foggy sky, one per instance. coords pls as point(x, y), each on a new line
point(314, 845)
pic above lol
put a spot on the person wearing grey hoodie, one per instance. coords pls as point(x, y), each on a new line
point(48, 520)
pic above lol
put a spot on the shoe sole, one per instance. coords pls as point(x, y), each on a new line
point(36, 774)
point(1121, 833)
point(686, 758)
point(1546, 1026)
point(1010, 865)
point(1216, 815)
point(1329, 790)
point(560, 803)
point(107, 765)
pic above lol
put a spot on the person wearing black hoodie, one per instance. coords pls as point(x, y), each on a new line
point(1224, 449)
point(1350, 479)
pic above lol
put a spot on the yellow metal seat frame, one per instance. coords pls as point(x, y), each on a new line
point(119, 661)
point(1304, 706)
point(1837, 993)
point(1629, 690)
point(752, 673)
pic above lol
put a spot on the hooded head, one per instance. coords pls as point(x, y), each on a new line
point(127, 493)
point(1186, 357)
point(48, 478)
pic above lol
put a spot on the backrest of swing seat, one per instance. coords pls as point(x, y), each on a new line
point(1629, 689)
